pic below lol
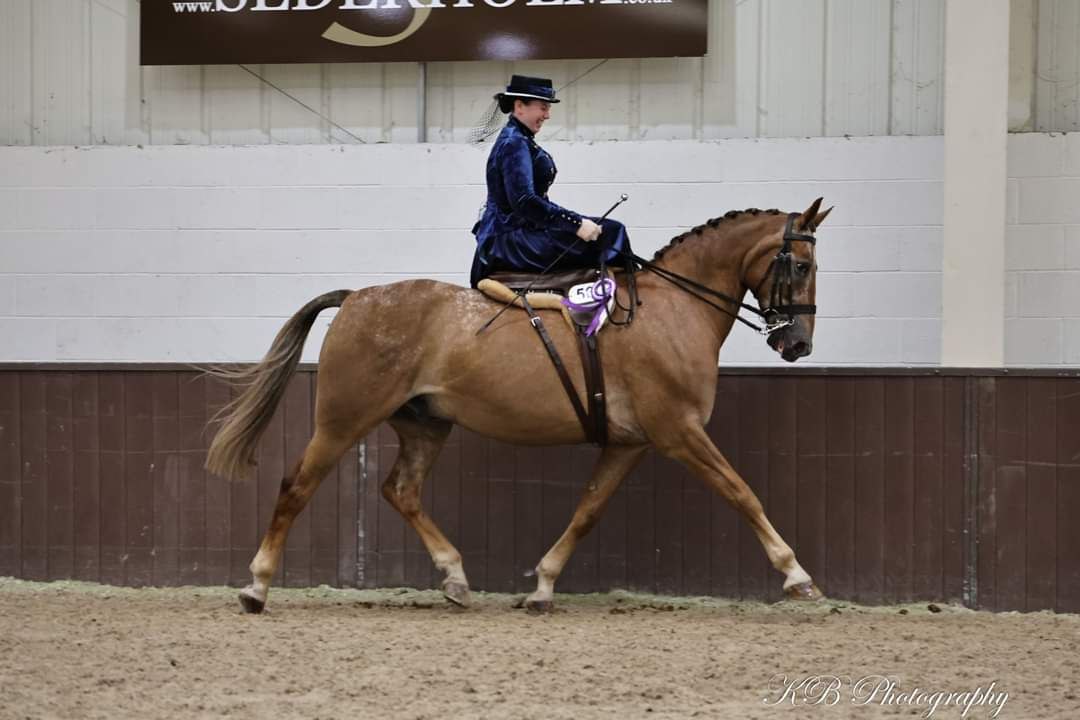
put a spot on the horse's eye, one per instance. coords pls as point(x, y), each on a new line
point(802, 268)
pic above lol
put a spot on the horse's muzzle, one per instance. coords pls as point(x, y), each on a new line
point(794, 352)
point(790, 349)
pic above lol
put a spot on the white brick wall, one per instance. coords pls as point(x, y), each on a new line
point(199, 253)
point(1042, 259)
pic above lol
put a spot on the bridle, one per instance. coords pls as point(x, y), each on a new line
point(780, 312)
point(782, 270)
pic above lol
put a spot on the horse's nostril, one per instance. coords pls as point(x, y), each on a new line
point(801, 349)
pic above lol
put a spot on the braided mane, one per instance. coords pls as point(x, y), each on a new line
point(712, 223)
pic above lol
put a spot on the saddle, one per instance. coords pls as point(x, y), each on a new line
point(556, 282)
point(547, 292)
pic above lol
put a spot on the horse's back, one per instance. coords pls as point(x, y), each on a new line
point(404, 318)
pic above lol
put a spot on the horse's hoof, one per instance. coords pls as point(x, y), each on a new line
point(804, 591)
point(539, 606)
point(457, 593)
point(250, 603)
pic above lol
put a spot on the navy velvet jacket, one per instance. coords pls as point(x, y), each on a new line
point(519, 227)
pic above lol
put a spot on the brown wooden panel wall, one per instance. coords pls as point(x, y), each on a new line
point(890, 487)
point(101, 479)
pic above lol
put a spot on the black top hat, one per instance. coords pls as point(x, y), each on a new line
point(529, 88)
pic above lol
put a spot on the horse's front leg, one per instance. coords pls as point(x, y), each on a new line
point(696, 450)
point(613, 465)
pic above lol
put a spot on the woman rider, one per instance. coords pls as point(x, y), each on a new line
point(520, 229)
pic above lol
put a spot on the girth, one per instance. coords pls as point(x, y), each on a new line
point(594, 420)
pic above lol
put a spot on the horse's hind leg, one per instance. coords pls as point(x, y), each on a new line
point(696, 450)
point(321, 455)
point(420, 443)
point(608, 474)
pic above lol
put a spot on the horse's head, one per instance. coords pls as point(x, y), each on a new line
point(781, 270)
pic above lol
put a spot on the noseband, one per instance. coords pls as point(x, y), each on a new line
point(781, 310)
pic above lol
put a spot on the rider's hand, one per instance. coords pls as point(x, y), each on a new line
point(589, 231)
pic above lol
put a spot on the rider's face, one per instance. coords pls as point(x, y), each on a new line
point(533, 113)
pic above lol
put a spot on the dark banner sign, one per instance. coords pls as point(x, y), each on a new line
point(206, 32)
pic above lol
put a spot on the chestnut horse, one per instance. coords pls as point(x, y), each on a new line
point(409, 353)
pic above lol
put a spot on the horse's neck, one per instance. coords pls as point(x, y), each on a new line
point(713, 259)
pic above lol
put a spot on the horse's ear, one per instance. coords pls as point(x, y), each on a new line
point(820, 218)
point(806, 222)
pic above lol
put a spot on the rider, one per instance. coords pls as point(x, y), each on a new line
point(521, 229)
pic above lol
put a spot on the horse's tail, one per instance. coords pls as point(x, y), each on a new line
point(232, 453)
